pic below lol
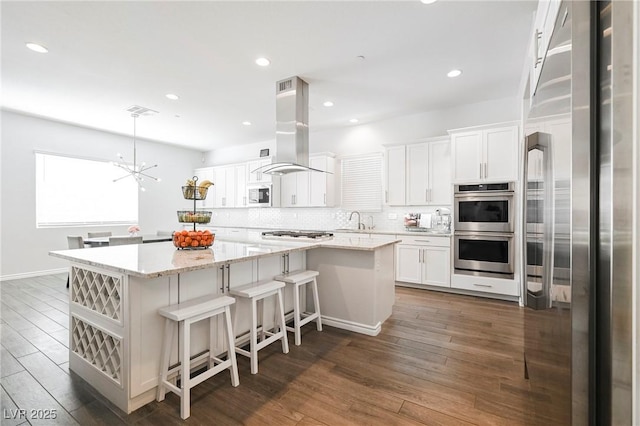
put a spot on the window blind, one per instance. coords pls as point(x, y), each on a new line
point(362, 182)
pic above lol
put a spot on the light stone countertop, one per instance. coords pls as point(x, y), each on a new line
point(382, 232)
point(342, 230)
point(160, 259)
point(358, 243)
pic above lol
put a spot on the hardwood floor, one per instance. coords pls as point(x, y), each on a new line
point(441, 359)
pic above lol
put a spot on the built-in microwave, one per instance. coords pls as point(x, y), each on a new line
point(484, 207)
point(259, 196)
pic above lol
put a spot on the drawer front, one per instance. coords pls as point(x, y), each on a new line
point(496, 286)
point(426, 240)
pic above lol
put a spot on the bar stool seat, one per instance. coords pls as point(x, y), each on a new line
point(298, 279)
point(256, 293)
point(187, 313)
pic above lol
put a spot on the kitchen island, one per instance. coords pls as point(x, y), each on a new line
point(115, 332)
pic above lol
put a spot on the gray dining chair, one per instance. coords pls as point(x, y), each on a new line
point(74, 242)
point(121, 241)
point(99, 234)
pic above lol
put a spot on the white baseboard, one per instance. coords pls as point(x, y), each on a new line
point(33, 274)
point(352, 326)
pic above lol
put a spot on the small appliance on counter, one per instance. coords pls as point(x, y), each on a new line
point(442, 221)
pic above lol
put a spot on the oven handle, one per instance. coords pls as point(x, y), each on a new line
point(472, 195)
point(483, 235)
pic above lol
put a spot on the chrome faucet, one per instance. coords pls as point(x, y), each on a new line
point(360, 224)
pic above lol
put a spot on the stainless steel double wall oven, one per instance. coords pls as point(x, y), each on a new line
point(484, 216)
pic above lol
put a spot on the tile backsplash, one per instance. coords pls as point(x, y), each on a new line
point(389, 219)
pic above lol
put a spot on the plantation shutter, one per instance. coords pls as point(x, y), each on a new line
point(362, 182)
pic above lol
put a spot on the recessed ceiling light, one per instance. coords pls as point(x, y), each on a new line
point(263, 62)
point(454, 73)
point(37, 48)
point(428, 1)
point(172, 96)
point(353, 120)
point(246, 123)
point(328, 104)
point(177, 116)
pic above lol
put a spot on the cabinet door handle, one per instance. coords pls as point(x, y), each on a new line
point(482, 285)
point(228, 277)
point(423, 241)
point(244, 200)
point(325, 198)
point(536, 48)
point(222, 270)
point(480, 170)
point(386, 196)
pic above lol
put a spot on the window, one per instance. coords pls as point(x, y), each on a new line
point(76, 191)
point(362, 182)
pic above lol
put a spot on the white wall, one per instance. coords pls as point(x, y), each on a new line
point(24, 247)
point(371, 137)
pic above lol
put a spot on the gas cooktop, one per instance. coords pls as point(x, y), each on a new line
point(298, 235)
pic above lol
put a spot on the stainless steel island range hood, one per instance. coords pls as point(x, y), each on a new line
point(292, 128)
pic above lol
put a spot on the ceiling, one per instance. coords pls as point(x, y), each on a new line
point(106, 56)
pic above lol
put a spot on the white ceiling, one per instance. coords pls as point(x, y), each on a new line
point(106, 56)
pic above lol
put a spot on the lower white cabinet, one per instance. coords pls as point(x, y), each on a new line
point(424, 261)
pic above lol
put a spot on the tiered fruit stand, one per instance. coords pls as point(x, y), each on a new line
point(194, 239)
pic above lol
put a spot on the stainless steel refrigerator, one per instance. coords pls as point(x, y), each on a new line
point(577, 245)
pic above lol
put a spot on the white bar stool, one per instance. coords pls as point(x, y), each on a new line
point(257, 292)
point(185, 314)
point(298, 279)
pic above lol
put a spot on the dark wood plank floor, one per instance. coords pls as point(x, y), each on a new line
point(441, 359)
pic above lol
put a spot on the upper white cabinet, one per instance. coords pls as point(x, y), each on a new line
point(254, 175)
point(225, 186)
point(310, 189)
point(294, 189)
point(240, 185)
point(206, 173)
point(485, 154)
point(419, 174)
point(395, 166)
point(546, 15)
point(429, 173)
point(230, 186)
point(322, 186)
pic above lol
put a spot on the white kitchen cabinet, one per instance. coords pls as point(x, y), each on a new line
point(424, 260)
point(240, 172)
point(395, 167)
point(485, 154)
point(230, 186)
point(545, 20)
point(310, 189)
point(294, 189)
point(206, 173)
point(225, 186)
point(322, 186)
point(254, 175)
point(428, 173)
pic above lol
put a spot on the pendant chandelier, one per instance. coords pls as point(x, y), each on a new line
point(136, 171)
